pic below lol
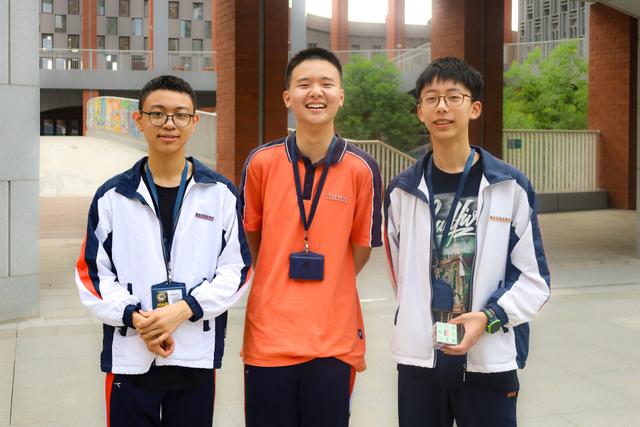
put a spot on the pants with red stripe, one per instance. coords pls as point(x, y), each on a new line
point(129, 404)
point(311, 394)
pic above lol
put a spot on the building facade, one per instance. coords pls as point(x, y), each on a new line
point(546, 20)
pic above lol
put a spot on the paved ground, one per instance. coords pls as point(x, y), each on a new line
point(585, 351)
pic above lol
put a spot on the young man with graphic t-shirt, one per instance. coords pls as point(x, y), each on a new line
point(312, 212)
point(473, 219)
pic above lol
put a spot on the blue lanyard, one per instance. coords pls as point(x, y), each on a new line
point(454, 204)
point(306, 223)
point(176, 207)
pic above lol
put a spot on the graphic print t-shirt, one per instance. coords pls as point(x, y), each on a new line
point(455, 264)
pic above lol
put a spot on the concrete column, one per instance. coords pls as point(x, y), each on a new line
point(395, 26)
point(252, 55)
point(613, 84)
point(160, 36)
point(474, 30)
point(340, 25)
point(298, 26)
point(19, 226)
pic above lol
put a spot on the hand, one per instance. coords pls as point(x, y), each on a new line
point(158, 325)
point(474, 326)
point(163, 349)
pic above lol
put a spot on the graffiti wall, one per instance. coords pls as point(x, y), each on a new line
point(113, 115)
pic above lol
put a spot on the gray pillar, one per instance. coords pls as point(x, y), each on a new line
point(19, 148)
point(298, 26)
point(161, 36)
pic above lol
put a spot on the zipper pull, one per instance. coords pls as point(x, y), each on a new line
point(169, 275)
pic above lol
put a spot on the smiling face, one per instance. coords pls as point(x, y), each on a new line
point(167, 139)
point(315, 93)
point(446, 123)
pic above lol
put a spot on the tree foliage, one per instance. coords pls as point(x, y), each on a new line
point(375, 107)
point(547, 93)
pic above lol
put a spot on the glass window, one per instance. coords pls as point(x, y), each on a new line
point(99, 42)
point(124, 8)
point(61, 23)
point(136, 24)
point(174, 44)
point(207, 29)
point(112, 26)
point(112, 62)
point(146, 8)
point(146, 43)
point(185, 29)
point(197, 45)
point(47, 41)
point(100, 7)
point(174, 10)
point(124, 43)
point(198, 12)
point(73, 41)
point(74, 7)
point(47, 6)
point(310, 45)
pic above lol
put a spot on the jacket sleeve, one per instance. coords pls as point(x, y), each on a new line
point(95, 274)
point(391, 236)
point(527, 280)
point(233, 272)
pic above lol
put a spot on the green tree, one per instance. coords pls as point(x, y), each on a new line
point(375, 107)
point(547, 93)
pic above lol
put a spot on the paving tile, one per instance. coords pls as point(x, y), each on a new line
point(51, 374)
point(619, 417)
point(550, 421)
point(6, 389)
point(7, 349)
point(625, 382)
point(53, 347)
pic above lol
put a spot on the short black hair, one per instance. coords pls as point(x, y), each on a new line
point(311, 53)
point(166, 82)
point(450, 68)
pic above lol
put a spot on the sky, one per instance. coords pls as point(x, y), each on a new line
point(416, 11)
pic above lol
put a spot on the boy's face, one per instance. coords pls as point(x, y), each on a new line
point(166, 138)
point(447, 122)
point(315, 93)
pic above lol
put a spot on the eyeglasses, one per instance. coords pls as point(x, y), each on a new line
point(450, 100)
point(158, 118)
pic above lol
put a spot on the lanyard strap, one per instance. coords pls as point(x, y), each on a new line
point(306, 223)
point(454, 204)
point(176, 206)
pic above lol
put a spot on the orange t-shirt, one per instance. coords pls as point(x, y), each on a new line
point(292, 321)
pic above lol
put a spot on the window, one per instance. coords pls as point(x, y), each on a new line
point(112, 26)
point(355, 47)
point(146, 8)
point(47, 41)
point(377, 47)
point(124, 8)
point(311, 45)
point(146, 43)
point(185, 29)
point(99, 42)
point(61, 23)
point(73, 41)
point(124, 43)
point(136, 26)
point(207, 29)
point(112, 62)
point(73, 7)
point(174, 10)
point(47, 6)
point(100, 7)
point(197, 12)
point(197, 45)
point(174, 44)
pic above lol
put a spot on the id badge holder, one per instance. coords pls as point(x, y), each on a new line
point(442, 303)
point(167, 293)
point(306, 266)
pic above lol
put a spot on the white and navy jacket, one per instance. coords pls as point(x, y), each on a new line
point(510, 272)
point(122, 257)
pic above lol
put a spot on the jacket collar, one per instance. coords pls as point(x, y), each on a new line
point(341, 147)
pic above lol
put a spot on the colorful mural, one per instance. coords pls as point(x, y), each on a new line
point(113, 114)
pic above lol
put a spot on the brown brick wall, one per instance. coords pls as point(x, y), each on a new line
point(340, 25)
point(395, 25)
point(447, 28)
point(612, 101)
point(237, 92)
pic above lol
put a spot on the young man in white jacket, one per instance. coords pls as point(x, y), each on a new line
point(164, 257)
point(464, 248)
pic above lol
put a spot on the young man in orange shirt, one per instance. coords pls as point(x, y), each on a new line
point(312, 213)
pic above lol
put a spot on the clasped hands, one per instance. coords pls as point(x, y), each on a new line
point(156, 327)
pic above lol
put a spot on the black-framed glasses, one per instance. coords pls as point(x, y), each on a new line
point(158, 118)
point(450, 100)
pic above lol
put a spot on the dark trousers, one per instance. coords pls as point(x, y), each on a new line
point(312, 394)
point(423, 401)
point(129, 404)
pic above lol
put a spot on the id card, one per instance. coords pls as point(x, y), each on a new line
point(166, 293)
point(306, 266)
point(445, 334)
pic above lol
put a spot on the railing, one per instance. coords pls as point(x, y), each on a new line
point(554, 160)
point(518, 51)
point(391, 160)
point(191, 61)
point(112, 117)
point(345, 55)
